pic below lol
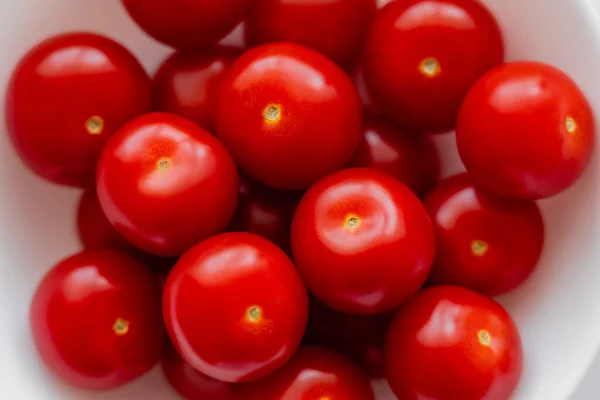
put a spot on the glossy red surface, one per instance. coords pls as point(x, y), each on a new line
point(288, 115)
point(526, 131)
point(96, 320)
point(235, 307)
point(485, 242)
point(450, 343)
point(358, 337)
point(362, 241)
point(187, 24)
point(422, 56)
point(186, 83)
point(189, 383)
point(335, 28)
point(265, 211)
point(314, 373)
point(411, 158)
point(66, 97)
point(165, 184)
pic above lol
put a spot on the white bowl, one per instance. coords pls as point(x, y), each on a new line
point(558, 310)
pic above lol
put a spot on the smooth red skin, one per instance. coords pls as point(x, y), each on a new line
point(265, 211)
point(56, 87)
point(358, 337)
point(207, 296)
point(187, 24)
point(462, 212)
point(433, 351)
point(188, 382)
point(461, 34)
point(337, 29)
point(75, 308)
point(410, 158)
point(165, 212)
point(375, 267)
point(320, 121)
point(512, 133)
point(314, 373)
point(187, 84)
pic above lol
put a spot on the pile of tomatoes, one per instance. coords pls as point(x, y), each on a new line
point(254, 224)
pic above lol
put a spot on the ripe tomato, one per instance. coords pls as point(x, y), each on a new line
point(335, 28)
point(358, 337)
point(526, 131)
point(187, 24)
point(485, 242)
point(439, 49)
point(362, 241)
point(314, 373)
point(288, 115)
point(450, 343)
point(66, 97)
point(235, 307)
point(165, 184)
point(188, 382)
point(265, 211)
point(186, 84)
point(410, 158)
point(96, 319)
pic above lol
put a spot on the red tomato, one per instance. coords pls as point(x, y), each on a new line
point(186, 84)
point(188, 382)
point(314, 373)
point(288, 115)
point(66, 97)
point(450, 343)
point(410, 158)
point(358, 337)
point(265, 211)
point(362, 241)
point(96, 319)
point(485, 242)
point(165, 184)
point(422, 56)
point(235, 307)
point(335, 28)
point(186, 24)
point(526, 131)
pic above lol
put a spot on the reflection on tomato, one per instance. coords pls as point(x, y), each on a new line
point(362, 241)
point(165, 184)
point(450, 343)
point(65, 99)
point(485, 242)
point(96, 319)
point(235, 307)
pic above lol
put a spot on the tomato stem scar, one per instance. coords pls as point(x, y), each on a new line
point(94, 125)
point(272, 113)
point(430, 67)
point(484, 337)
point(570, 124)
point(254, 313)
point(121, 327)
point(479, 248)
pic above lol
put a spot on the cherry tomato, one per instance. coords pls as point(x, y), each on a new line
point(288, 115)
point(485, 242)
point(450, 343)
point(235, 307)
point(165, 184)
point(362, 241)
point(186, 84)
point(265, 211)
point(358, 337)
point(187, 24)
point(314, 373)
point(525, 131)
point(188, 382)
point(410, 158)
point(335, 28)
point(96, 319)
point(66, 97)
point(422, 56)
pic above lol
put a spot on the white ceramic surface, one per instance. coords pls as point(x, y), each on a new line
point(558, 311)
